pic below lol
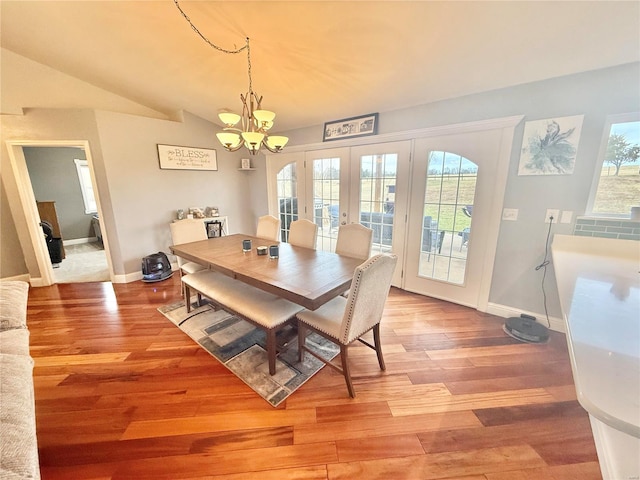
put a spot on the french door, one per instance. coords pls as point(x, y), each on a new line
point(378, 195)
point(450, 216)
point(333, 187)
point(327, 180)
point(434, 199)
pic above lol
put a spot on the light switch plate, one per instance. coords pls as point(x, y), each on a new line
point(510, 214)
point(566, 216)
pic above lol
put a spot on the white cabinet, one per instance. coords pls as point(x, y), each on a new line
point(216, 226)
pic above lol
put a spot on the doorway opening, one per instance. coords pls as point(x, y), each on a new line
point(85, 255)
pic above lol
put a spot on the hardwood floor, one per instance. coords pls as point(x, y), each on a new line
point(121, 393)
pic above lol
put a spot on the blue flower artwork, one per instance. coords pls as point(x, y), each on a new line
point(549, 146)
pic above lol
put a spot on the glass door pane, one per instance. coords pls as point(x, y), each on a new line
point(452, 229)
point(287, 193)
point(446, 225)
point(377, 197)
point(326, 200)
point(327, 180)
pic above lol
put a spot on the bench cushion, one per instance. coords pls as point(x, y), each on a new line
point(261, 307)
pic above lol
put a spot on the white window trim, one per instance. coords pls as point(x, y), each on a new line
point(80, 164)
point(610, 120)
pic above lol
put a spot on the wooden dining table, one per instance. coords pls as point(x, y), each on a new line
point(301, 275)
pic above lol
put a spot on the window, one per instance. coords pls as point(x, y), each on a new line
point(86, 187)
point(616, 186)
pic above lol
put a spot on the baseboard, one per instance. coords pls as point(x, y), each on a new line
point(135, 276)
point(78, 241)
point(23, 278)
point(127, 278)
point(556, 324)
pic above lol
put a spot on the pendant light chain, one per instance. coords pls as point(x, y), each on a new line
point(255, 122)
point(249, 66)
point(195, 29)
point(220, 49)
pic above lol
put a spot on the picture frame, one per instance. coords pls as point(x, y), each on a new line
point(176, 157)
point(361, 126)
point(245, 164)
point(549, 146)
point(214, 228)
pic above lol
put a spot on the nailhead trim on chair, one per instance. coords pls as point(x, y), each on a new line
point(354, 289)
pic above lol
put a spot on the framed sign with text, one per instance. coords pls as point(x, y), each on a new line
point(174, 157)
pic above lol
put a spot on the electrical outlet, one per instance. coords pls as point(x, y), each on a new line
point(555, 213)
point(566, 216)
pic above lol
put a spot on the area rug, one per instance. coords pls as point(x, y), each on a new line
point(240, 347)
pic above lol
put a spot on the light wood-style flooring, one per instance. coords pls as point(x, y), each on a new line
point(123, 394)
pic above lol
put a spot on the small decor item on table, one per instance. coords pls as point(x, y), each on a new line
point(196, 212)
point(246, 245)
point(211, 212)
point(274, 251)
point(214, 228)
point(261, 250)
point(180, 214)
point(246, 164)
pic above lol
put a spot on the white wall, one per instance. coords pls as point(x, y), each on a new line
point(145, 198)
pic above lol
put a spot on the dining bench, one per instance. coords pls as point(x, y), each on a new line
point(262, 309)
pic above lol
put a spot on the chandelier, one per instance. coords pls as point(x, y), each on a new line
point(249, 129)
point(254, 123)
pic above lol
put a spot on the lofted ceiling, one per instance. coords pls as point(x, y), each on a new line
point(312, 61)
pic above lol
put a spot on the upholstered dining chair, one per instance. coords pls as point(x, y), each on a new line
point(354, 240)
point(268, 228)
point(345, 320)
point(303, 233)
point(187, 231)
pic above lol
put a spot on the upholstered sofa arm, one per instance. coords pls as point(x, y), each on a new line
point(18, 443)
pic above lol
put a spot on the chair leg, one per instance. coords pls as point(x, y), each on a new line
point(271, 350)
point(302, 337)
point(345, 370)
point(378, 344)
point(187, 297)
